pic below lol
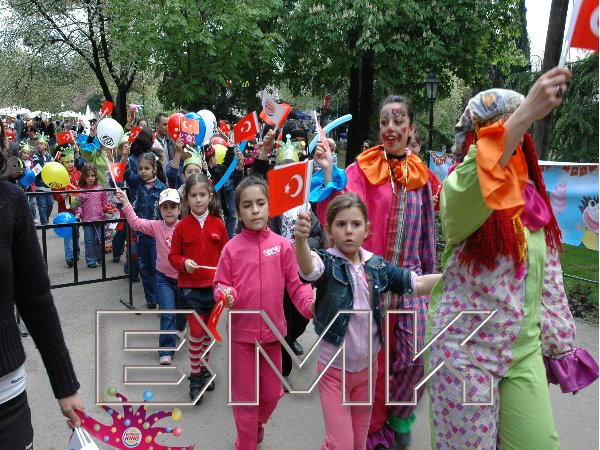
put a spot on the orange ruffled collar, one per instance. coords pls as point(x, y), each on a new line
point(375, 167)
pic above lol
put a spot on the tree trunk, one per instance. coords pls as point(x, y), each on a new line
point(353, 104)
point(120, 110)
point(552, 50)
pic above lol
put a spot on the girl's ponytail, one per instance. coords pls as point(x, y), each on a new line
point(160, 172)
point(214, 205)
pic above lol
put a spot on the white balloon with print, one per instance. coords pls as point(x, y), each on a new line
point(109, 132)
point(211, 124)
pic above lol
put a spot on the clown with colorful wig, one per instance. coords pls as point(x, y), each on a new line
point(502, 272)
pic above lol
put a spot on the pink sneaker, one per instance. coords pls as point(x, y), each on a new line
point(165, 360)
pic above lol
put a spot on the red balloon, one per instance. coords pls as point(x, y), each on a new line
point(173, 125)
point(218, 140)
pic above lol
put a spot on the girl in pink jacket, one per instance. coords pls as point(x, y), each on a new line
point(93, 206)
point(255, 268)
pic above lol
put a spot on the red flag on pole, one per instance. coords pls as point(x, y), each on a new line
point(288, 187)
point(64, 138)
point(107, 108)
point(246, 129)
point(134, 133)
point(585, 29)
point(273, 113)
point(224, 127)
point(117, 171)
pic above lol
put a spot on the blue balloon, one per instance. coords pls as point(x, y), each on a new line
point(327, 128)
point(27, 179)
point(64, 217)
point(200, 136)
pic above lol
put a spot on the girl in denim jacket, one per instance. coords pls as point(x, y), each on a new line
point(145, 186)
point(349, 277)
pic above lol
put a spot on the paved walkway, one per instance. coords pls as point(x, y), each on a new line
point(297, 423)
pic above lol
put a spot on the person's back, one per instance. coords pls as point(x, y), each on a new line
point(19, 128)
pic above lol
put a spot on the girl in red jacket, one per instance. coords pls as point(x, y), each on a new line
point(195, 250)
point(256, 267)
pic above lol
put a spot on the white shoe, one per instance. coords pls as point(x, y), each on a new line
point(165, 360)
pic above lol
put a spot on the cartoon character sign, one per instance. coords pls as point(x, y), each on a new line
point(589, 210)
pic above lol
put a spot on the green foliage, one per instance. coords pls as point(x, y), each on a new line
point(575, 127)
point(216, 57)
point(325, 39)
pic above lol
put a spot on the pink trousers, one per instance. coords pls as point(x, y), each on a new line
point(249, 419)
point(346, 426)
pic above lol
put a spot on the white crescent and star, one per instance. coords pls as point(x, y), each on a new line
point(244, 129)
point(288, 188)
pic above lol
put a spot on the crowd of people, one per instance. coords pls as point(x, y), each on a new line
point(366, 241)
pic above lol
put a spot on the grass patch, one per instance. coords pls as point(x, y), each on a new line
point(583, 296)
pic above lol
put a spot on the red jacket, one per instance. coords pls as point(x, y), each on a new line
point(201, 244)
point(74, 178)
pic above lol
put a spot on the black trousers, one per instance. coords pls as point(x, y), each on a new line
point(296, 326)
point(16, 432)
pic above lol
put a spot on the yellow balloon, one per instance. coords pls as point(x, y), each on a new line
point(220, 151)
point(55, 175)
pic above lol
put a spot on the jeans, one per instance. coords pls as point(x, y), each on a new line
point(118, 242)
point(146, 247)
point(228, 198)
point(166, 291)
point(32, 205)
point(91, 237)
point(69, 245)
point(133, 264)
point(44, 203)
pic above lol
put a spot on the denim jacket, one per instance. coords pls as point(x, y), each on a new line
point(145, 201)
point(335, 291)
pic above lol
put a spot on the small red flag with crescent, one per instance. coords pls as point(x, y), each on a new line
point(288, 186)
point(118, 171)
point(64, 138)
point(134, 133)
point(246, 129)
point(107, 108)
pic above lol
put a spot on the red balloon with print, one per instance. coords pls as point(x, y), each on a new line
point(173, 125)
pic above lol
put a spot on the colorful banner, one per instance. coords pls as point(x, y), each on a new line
point(573, 189)
point(439, 163)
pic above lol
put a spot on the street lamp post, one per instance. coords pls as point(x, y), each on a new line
point(431, 86)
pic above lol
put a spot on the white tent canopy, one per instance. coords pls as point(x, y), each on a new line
point(12, 111)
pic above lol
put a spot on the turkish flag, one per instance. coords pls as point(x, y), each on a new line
point(289, 186)
point(135, 132)
point(107, 108)
point(118, 171)
point(273, 113)
point(246, 129)
point(189, 126)
point(64, 138)
point(584, 24)
point(224, 128)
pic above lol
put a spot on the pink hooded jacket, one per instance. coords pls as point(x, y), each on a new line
point(259, 265)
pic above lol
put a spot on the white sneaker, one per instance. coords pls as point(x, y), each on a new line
point(165, 360)
point(36, 221)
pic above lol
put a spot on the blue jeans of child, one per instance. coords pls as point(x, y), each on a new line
point(146, 247)
point(91, 237)
point(44, 203)
point(166, 291)
point(228, 197)
point(69, 246)
point(118, 243)
point(32, 205)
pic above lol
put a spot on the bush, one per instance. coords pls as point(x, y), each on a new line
point(579, 295)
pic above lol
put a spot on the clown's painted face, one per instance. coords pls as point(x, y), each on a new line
point(395, 128)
